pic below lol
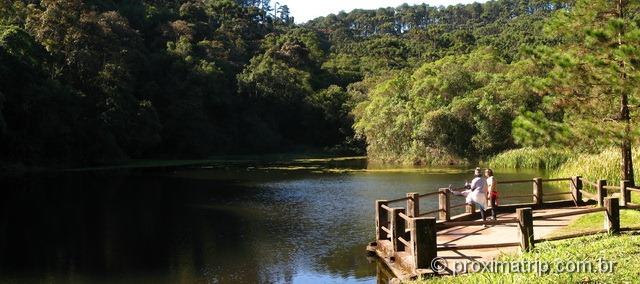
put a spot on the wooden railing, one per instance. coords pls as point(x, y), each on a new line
point(407, 230)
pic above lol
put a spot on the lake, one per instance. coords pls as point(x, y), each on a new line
point(305, 222)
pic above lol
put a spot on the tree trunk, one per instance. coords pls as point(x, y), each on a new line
point(627, 158)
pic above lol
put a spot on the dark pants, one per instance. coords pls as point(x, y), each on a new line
point(494, 206)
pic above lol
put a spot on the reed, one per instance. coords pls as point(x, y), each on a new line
point(532, 158)
point(605, 165)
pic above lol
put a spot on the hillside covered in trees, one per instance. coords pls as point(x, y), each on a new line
point(96, 81)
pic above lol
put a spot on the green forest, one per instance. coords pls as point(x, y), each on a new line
point(86, 82)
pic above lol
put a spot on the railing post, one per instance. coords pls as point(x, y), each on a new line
point(424, 241)
point(625, 194)
point(601, 191)
point(525, 224)
point(612, 218)
point(397, 229)
point(576, 189)
point(537, 191)
point(470, 208)
point(444, 204)
point(382, 219)
point(413, 204)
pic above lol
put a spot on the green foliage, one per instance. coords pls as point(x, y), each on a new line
point(590, 71)
point(530, 158)
point(104, 80)
point(456, 108)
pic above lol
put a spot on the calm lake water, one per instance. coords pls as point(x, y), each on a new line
point(240, 224)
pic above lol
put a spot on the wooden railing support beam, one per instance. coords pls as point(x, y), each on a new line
point(601, 192)
point(525, 225)
point(444, 204)
point(424, 241)
point(382, 219)
point(576, 190)
point(612, 215)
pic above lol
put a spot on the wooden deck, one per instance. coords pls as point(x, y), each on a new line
point(409, 244)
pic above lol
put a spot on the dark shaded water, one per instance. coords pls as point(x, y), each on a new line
point(201, 225)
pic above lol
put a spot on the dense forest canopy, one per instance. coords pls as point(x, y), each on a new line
point(95, 81)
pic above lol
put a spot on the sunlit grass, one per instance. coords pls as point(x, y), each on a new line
point(532, 158)
point(595, 221)
point(605, 165)
point(624, 250)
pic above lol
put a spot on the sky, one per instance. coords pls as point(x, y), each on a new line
point(305, 10)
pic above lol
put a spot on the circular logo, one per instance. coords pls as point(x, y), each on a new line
point(439, 265)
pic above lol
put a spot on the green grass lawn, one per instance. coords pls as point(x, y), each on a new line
point(624, 250)
point(595, 221)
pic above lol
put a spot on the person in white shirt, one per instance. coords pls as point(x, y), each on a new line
point(492, 185)
point(476, 192)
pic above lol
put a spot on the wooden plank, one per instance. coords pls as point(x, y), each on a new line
point(515, 181)
point(477, 223)
point(558, 193)
point(570, 213)
point(397, 200)
point(516, 196)
point(429, 212)
point(429, 194)
point(478, 246)
point(556, 179)
point(405, 242)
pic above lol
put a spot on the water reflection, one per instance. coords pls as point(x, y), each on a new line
point(201, 225)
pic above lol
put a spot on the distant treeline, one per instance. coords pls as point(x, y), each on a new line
point(94, 81)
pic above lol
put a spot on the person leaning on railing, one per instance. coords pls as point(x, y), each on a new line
point(476, 193)
point(492, 185)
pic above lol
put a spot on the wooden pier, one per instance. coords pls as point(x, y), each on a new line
point(412, 243)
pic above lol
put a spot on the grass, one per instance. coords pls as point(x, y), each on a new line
point(624, 250)
point(595, 221)
point(532, 158)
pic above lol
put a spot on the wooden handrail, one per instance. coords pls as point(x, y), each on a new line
point(478, 246)
point(589, 183)
point(556, 179)
point(516, 196)
point(558, 193)
point(430, 193)
point(386, 230)
point(572, 213)
point(385, 207)
point(633, 189)
point(429, 212)
point(515, 181)
point(457, 206)
point(399, 199)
